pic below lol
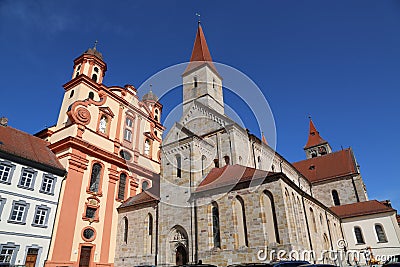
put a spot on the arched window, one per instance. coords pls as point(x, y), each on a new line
point(149, 234)
point(215, 225)
point(103, 124)
point(95, 178)
point(259, 162)
point(147, 146)
point(313, 220)
point(359, 235)
point(94, 77)
point(71, 94)
point(91, 95)
point(213, 83)
point(335, 197)
point(121, 187)
point(203, 164)
point(216, 163)
point(195, 82)
point(269, 217)
point(96, 69)
point(380, 233)
point(125, 230)
point(77, 71)
point(240, 218)
point(145, 185)
point(178, 166)
point(227, 160)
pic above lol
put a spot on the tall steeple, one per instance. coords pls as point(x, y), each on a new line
point(316, 145)
point(201, 80)
point(200, 54)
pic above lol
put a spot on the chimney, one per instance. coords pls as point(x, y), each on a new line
point(3, 121)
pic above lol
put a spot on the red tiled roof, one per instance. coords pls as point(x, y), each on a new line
point(200, 54)
point(141, 198)
point(361, 209)
point(230, 175)
point(328, 166)
point(314, 138)
point(28, 147)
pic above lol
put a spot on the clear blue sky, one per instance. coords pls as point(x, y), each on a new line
point(337, 60)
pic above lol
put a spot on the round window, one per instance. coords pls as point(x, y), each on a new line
point(88, 234)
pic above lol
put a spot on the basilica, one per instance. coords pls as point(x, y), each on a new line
point(224, 194)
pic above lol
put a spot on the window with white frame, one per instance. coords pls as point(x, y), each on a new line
point(129, 122)
point(18, 212)
point(8, 252)
point(128, 135)
point(380, 233)
point(27, 179)
point(6, 172)
point(41, 216)
point(48, 184)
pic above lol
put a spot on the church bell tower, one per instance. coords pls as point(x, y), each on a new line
point(316, 145)
point(201, 80)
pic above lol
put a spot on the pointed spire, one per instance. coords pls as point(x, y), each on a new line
point(200, 53)
point(263, 139)
point(314, 139)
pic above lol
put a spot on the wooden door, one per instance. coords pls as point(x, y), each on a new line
point(31, 257)
point(84, 260)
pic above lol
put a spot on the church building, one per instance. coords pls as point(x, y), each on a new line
point(108, 141)
point(224, 194)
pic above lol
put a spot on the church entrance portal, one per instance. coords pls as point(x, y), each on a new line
point(181, 255)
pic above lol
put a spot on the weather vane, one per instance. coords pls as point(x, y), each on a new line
point(95, 44)
point(198, 16)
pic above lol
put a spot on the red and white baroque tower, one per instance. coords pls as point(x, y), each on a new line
point(108, 140)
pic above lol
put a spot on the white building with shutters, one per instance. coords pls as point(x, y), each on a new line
point(30, 182)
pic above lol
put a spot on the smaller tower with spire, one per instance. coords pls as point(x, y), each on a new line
point(316, 146)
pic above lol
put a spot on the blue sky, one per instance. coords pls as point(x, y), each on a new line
point(337, 60)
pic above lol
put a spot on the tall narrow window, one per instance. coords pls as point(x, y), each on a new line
point(128, 135)
point(335, 197)
point(147, 147)
point(148, 242)
point(125, 230)
point(216, 163)
point(359, 235)
point(94, 77)
point(259, 162)
point(121, 188)
point(313, 220)
point(215, 225)
point(203, 164)
point(91, 95)
point(380, 233)
point(195, 82)
point(213, 83)
point(240, 218)
point(269, 217)
point(77, 71)
point(227, 160)
point(95, 178)
point(178, 166)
